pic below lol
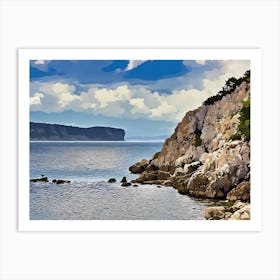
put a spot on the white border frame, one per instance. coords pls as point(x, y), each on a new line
point(25, 224)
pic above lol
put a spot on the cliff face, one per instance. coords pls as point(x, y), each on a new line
point(201, 158)
point(56, 132)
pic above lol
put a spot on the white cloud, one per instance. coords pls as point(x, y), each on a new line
point(64, 92)
point(36, 99)
point(133, 101)
point(133, 64)
point(163, 109)
point(105, 96)
point(40, 62)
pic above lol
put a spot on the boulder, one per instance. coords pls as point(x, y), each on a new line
point(60, 181)
point(112, 180)
point(237, 206)
point(139, 167)
point(197, 185)
point(219, 187)
point(215, 213)
point(241, 192)
point(227, 215)
point(123, 180)
point(242, 214)
point(125, 184)
point(43, 179)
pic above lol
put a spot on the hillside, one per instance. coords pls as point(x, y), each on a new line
point(208, 155)
point(57, 132)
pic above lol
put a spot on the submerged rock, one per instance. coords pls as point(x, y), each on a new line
point(123, 180)
point(126, 184)
point(60, 181)
point(43, 179)
point(112, 180)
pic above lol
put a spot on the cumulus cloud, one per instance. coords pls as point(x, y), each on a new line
point(133, 64)
point(133, 101)
point(36, 98)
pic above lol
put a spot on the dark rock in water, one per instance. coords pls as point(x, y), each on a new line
point(135, 185)
point(112, 180)
point(125, 184)
point(123, 180)
point(159, 187)
point(54, 181)
point(43, 179)
point(60, 181)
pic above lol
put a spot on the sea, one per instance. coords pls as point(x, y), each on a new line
point(89, 196)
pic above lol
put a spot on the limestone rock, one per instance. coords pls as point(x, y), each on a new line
point(237, 206)
point(242, 214)
point(241, 192)
point(215, 213)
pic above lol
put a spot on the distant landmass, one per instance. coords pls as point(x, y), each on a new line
point(58, 132)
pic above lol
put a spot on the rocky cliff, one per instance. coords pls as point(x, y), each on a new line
point(56, 132)
point(208, 155)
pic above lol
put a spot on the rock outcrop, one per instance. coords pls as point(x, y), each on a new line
point(238, 211)
point(203, 157)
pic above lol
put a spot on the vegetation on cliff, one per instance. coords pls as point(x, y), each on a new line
point(230, 85)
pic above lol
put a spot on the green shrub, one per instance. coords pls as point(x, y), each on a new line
point(244, 125)
point(230, 85)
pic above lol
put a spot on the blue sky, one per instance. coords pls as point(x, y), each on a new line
point(144, 97)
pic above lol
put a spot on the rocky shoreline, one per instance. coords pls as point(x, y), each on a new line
point(208, 155)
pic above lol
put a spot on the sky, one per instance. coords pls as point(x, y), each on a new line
point(147, 98)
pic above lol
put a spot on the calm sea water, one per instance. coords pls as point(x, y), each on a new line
point(89, 165)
